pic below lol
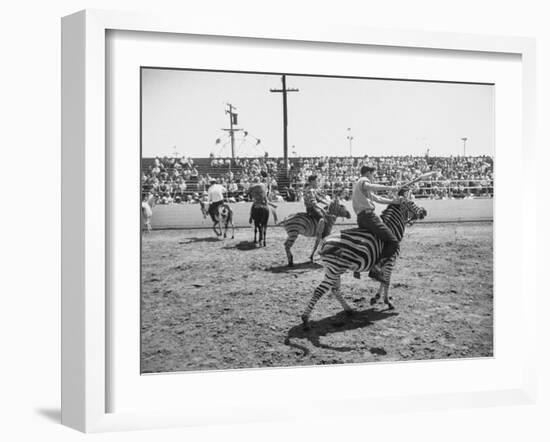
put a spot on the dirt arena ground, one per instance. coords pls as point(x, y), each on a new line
point(212, 304)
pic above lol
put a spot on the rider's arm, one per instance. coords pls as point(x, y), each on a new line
point(377, 187)
point(321, 198)
point(382, 200)
point(376, 198)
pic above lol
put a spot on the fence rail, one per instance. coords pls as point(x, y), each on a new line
point(180, 216)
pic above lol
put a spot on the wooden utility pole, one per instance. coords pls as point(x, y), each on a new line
point(284, 91)
point(232, 130)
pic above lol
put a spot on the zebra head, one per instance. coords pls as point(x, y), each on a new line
point(338, 210)
point(412, 212)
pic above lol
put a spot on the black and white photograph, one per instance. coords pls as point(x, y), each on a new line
point(302, 220)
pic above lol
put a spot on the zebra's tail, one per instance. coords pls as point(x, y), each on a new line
point(287, 219)
point(282, 222)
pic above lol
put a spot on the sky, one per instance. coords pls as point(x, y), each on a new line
point(184, 112)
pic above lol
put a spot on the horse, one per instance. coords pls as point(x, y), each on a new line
point(260, 216)
point(222, 218)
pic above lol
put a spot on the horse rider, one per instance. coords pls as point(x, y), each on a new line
point(312, 198)
point(215, 198)
point(363, 199)
point(258, 194)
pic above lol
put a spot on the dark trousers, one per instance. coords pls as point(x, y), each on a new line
point(317, 214)
point(371, 221)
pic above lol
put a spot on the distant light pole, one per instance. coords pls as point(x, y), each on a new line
point(464, 139)
point(350, 138)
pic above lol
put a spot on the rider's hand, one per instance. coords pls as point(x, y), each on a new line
point(400, 199)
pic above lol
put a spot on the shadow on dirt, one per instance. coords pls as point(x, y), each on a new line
point(200, 239)
point(334, 324)
point(243, 246)
point(308, 265)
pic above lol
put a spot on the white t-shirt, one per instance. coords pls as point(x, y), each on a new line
point(215, 193)
point(361, 202)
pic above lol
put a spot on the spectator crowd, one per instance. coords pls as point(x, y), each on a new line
point(184, 180)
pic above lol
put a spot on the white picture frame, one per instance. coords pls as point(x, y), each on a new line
point(85, 233)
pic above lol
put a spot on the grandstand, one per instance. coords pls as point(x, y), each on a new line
point(178, 180)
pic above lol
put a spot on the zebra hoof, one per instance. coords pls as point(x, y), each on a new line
point(305, 322)
point(291, 263)
point(390, 306)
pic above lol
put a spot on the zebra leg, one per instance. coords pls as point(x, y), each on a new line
point(318, 235)
point(338, 296)
point(255, 232)
point(327, 283)
point(264, 227)
point(288, 244)
point(376, 297)
point(386, 272)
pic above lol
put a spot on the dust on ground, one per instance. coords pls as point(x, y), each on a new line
point(210, 304)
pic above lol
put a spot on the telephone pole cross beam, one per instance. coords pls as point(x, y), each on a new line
point(231, 130)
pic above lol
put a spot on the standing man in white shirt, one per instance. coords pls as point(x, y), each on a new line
point(215, 198)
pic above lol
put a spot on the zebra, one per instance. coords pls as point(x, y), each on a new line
point(358, 250)
point(260, 216)
point(303, 224)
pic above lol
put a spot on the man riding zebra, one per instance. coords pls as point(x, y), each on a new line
point(316, 222)
point(363, 199)
point(361, 248)
point(312, 198)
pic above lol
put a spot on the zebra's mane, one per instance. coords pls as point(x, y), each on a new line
point(394, 218)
